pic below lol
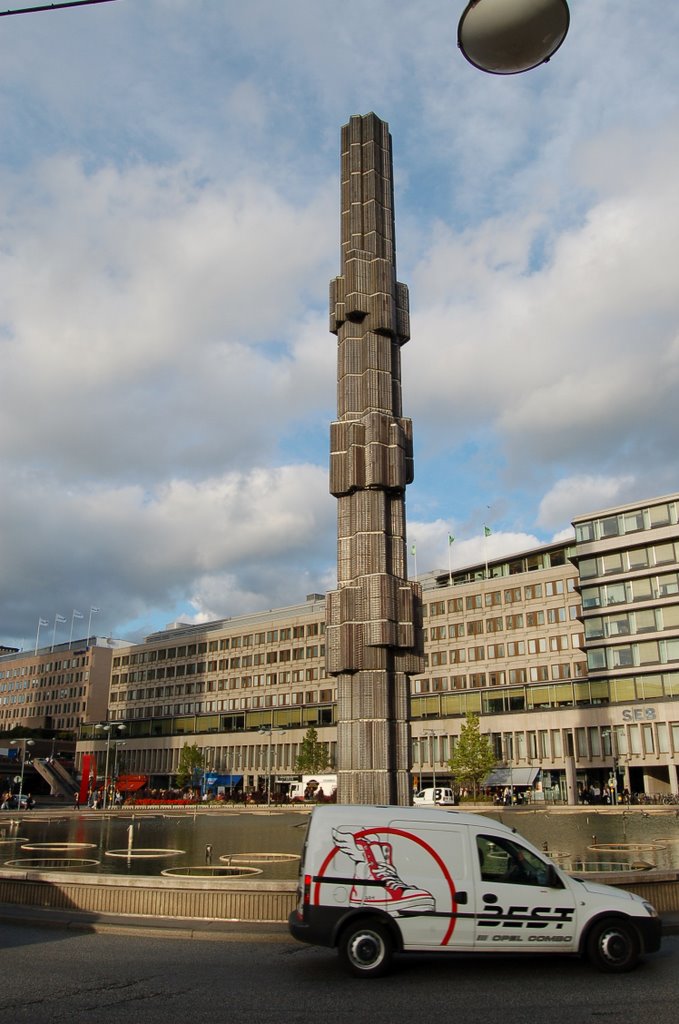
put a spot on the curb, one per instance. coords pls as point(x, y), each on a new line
point(158, 927)
point(173, 928)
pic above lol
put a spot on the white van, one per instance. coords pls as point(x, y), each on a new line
point(313, 787)
point(375, 881)
point(431, 797)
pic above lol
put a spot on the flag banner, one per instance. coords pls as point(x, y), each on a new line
point(43, 622)
point(412, 550)
point(93, 610)
point(486, 531)
point(78, 615)
point(450, 538)
point(60, 618)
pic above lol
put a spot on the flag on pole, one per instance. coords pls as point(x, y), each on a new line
point(60, 618)
point(78, 615)
point(95, 610)
point(450, 560)
point(487, 531)
point(413, 550)
point(43, 622)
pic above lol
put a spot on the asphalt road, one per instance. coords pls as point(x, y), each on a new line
point(53, 976)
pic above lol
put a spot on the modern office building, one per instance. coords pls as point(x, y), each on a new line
point(56, 688)
point(568, 652)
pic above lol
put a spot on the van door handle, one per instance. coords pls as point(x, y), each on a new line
point(461, 897)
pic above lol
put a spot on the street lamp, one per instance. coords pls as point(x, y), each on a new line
point(24, 744)
point(505, 37)
point(108, 729)
point(609, 734)
point(432, 754)
point(264, 730)
point(117, 744)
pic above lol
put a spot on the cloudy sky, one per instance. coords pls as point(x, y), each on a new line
point(168, 227)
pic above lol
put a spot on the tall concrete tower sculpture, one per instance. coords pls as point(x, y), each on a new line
point(373, 619)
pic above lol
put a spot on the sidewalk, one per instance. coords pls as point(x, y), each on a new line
point(167, 927)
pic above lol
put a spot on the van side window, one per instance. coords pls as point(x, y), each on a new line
point(502, 860)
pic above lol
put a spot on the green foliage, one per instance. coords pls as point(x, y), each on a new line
point(473, 756)
point(191, 761)
point(313, 755)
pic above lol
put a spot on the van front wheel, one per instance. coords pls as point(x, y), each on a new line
point(365, 949)
point(613, 946)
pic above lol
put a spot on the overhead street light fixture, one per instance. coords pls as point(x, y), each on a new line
point(36, 8)
point(23, 744)
point(506, 37)
point(109, 728)
point(503, 37)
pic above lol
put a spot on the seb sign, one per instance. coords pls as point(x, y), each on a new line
point(639, 715)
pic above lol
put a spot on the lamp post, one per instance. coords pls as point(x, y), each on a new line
point(108, 728)
point(209, 759)
point(117, 744)
point(505, 37)
point(23, 744)
point(433, 735)
point(509, 758)
point(609, 734)
point(268, 730)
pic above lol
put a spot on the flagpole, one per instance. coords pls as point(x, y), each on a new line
point(75, 615)
point(486, 535)
point(451, 539)
point(41, 622)
point(93, 611)
point(57, 618)
point(414, 553)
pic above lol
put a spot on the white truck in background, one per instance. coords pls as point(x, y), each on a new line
point(432, 797)
point(313, 787)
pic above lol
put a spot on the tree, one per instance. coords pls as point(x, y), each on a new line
point(190, 761)
point(473, 755)
point(313, 755)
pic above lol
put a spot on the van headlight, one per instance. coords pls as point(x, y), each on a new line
point(650, 909)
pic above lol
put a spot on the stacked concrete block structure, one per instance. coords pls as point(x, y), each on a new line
point(373, 622)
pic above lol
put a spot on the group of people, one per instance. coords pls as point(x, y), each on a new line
point(11, 800)
point(509, 796)
point(595, 794)
point(95, 799)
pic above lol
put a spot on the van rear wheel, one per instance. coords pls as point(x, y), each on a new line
point(613, 946)
point(365, 949)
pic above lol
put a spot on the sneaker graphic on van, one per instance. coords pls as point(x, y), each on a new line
point(376, 880)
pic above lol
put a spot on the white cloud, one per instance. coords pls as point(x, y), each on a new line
point(579, 495)
point(168, 226)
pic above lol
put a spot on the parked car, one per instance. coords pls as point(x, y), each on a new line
point(27, 802)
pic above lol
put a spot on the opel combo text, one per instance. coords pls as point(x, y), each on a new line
point(375, 881)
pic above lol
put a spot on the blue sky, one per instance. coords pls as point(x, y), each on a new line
point(168, 228)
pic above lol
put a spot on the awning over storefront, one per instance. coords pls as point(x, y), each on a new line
point(131, 783)
point(511, 777)
point(212, 779)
